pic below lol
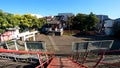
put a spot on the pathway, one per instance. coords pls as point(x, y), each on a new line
point(63, 62)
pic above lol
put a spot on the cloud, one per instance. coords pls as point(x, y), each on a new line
point(37, 15)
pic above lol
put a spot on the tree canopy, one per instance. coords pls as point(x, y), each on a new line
point(25, 22)
point(84, 22)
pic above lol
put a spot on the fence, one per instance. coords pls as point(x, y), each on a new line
point(95, 54)
point(36, 46)
point(25, 56)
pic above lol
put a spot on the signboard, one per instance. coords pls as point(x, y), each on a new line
point(6, 36)
point(36, 46)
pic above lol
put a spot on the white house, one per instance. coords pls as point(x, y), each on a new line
point(108, 25)
point(100, 24)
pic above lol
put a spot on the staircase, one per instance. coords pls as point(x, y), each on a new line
point(63, 62)
point(25, 59)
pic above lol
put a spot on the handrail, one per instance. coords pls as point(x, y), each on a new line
point(39, 54)
point(100, 59)
point(23, 52)
point(112, 64)
point(41, 65)
point(79, 64)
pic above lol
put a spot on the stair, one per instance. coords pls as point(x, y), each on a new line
point(63, 62)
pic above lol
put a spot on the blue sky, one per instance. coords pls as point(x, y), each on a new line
point(52, 7)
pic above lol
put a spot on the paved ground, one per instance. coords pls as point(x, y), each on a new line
point(58, 44)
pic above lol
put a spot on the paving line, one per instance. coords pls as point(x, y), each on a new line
point(53, 43)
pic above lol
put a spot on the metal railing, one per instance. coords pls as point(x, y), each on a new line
point(42, 57)
point(95, 54)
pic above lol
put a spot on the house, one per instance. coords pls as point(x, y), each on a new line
point(102, 17)
point(54, 26)
point(65, 15)
point(117, 20)
point(49, 18)
point(108, 27)
point(100, 24)
point(117, 27)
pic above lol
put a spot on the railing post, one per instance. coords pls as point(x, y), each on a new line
point(101, 57)
point(16, 46)
point(85, 57)
point(47, 57)
point(40, 60)
point(25, 44)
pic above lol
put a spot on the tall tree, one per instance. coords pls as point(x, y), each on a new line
point(91, 21)
point(79, 21)
point(70, 22)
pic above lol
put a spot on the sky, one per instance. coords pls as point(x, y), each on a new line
point(53, 7)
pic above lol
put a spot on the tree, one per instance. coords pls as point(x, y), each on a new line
point(41, 22)
point(79, 21)
point(91, 21)
point(25, 22)
point(70, 22)
point(3, 21)
point(30, 22)
point(84, 22)
point(12, 19)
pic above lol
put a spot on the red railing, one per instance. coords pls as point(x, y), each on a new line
point(113, 53)
point(99, 59)
point(79, 64)
point(48, 55)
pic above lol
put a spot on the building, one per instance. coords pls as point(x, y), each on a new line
point(54, 25)
point(65, 15)
point(117, 27)
point(117, 20)
point(102, 17)
point(49, 18)
point(100, 24)
point(108, 27)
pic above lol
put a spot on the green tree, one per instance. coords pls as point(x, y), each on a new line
point(12, 20)
point(70, 22)
point(84, 22)
point(25, 22)
point(79, 21)
point(30, 22)
point(41, 22)
point(91, 21)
